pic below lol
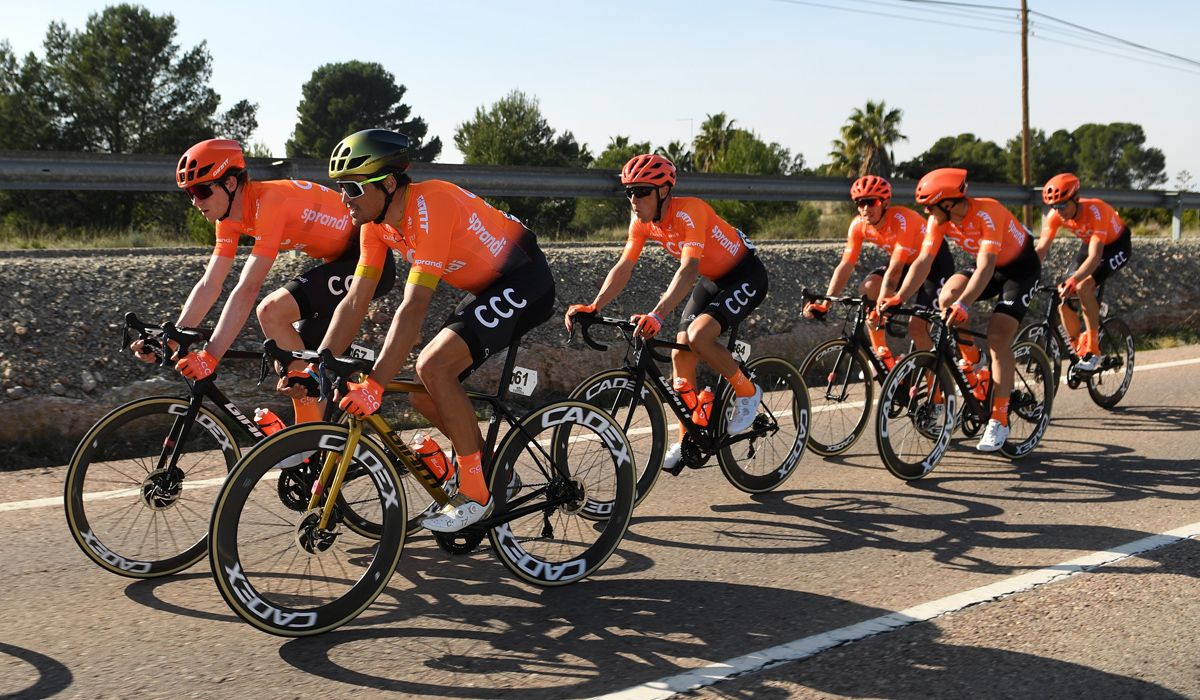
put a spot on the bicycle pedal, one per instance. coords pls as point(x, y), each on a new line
point(675, 470)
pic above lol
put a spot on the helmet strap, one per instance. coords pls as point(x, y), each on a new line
point(228, 196)
point(658, 211)
point(387, 200)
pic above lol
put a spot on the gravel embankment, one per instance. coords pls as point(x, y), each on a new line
point(62, 364)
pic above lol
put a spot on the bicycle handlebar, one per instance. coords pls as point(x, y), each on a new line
point(585, 322)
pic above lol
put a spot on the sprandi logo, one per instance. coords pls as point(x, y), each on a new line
point(339, 223)
point(493, 244)
point(725, 242)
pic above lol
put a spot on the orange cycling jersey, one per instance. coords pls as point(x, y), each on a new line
point(899, 233)
point(1093, 218)
point(988, 227)
point(689, 228)
point(446, 233)
point(288, 215)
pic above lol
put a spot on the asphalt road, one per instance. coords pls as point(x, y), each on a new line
point(708, 575)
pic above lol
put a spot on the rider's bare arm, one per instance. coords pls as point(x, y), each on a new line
point(240, 303)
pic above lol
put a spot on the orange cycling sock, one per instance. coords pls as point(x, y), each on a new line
point(307, 409)
point(470, 478)
point(1000, 410)
point(742, 386)
point(1093, 342)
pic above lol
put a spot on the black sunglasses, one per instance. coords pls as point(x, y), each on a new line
point(199, 192)
point(353, 189)
point(638, 191)
point(1060, 206)
point(867, 202)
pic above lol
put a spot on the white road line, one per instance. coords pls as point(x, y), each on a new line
point(812, 645)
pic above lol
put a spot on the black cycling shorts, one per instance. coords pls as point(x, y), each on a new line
point(1014, 283)
point(730, 299)
point(520, 300)
point(319, 290)
point(1115, 256)
point(940, 271)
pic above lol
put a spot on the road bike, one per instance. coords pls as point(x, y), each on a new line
point(562, 478)
point(1109, 382)
point(756, 461)
point(928, 392)
point(842, 373)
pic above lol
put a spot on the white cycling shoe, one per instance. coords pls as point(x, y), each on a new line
point(452, 518)
point(1089, 363)
point(672, 459)
point(744, 409)
point(993, 438)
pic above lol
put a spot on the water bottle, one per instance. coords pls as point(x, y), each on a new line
point(431, 455)
point(703, 408)
point(983, 376)
point(267, 421)
point(684, 388)
point(885, 356)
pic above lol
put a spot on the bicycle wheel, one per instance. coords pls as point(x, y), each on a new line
point(1108, 384)
point(564, 477)
point(274, 565)
point(765, 456)
point(646, 427)
point(916, 411)
point(1031, 401)
point(840, 384)
point(127, 509)
point(1040, 334)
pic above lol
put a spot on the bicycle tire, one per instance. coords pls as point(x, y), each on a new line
point(279, 572)
point(646, 427)
point(1109, 384)
point(839, 377)
point(1032, 400)
point(564, 542)
point(911, 433)
point(1042, 334)
point(127, 515)
point(764, 462)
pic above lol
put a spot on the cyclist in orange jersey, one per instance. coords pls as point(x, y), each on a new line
point(899, 232)
point(446, 234)
point(717, 266)
point(1006, 266)
point(279, 215)
point(1106, 245)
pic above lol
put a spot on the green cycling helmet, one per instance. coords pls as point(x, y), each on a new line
point(370, 151)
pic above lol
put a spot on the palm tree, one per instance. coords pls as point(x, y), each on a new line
point(867, 138)
point(677, 153)
point(715, 132)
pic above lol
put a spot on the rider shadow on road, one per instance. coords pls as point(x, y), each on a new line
point(33, 675)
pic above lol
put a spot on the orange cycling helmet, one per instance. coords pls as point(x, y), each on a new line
point(650, 169)
point(1060, 188)
point(871, 186)
point(209, 161)
point(940, 184)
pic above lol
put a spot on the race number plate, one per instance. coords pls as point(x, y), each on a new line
point(524, 381)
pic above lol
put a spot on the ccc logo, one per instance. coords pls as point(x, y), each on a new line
point(740, 297)
point(503, 305)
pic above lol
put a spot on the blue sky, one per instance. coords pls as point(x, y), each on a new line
point(791, 70)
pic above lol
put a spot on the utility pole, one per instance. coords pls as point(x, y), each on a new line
point(1027, 211)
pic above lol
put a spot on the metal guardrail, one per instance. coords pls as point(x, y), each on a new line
point(49, 170)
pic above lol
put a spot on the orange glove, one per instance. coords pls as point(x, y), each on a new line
point(815, 309)
point(1067, 287)
point(197, 365)
point(363, 399)
point(577, 309)
point(648, 325)
point(956, 314)
point(886, 303)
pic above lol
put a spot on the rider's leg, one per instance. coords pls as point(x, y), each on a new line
point(277, 314)
point(1091, 313)
point(446, 405)
point(684, 364)
point(918, 330)
point(870, 288)
point(1002, 328)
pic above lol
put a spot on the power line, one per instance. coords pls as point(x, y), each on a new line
point(910, 18)
point(1117, 39)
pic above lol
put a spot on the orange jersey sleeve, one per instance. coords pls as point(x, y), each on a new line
point(288, 215)
point(854, 241)
point(906, 231)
